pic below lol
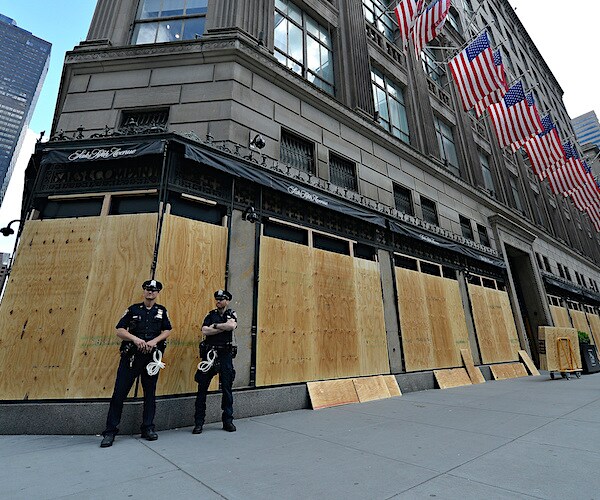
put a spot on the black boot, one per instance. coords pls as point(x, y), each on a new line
point(228, 426)
point(107, 441)
point(197, 429)
point(149, 435)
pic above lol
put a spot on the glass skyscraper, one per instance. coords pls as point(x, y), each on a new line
point(587, 128)
point(24, 60)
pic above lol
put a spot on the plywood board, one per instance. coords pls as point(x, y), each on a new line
point(528, 362)
point(508, 370)
point(191, 265)
point(494, 324)
point(392, 385)
point(432, 320)
point(371, 388)
point(41, 309)
point(549, 355)
point(474, 372)
point(580, 321)
point(454, 377)
point(329, 393)
point(313, 320)
point(594, 321)
point(120, 263)
point(560, 316)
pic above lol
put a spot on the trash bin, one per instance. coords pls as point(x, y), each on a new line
point(589, 358)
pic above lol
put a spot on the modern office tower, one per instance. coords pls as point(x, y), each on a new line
point(587, 128)
point(24, 60)
point(292, 152)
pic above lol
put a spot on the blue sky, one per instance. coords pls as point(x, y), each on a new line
point(63, 23)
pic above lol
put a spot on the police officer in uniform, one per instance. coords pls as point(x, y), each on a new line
point(218, 328)
point(143, 329)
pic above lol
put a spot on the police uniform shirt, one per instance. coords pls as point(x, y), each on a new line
point(212, 317)
point(145, 323)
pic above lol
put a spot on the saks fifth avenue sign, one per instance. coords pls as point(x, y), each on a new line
point(305, 195)
point(100, 154)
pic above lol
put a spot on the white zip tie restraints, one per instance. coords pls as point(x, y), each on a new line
point(204, 366)
point(154, 366)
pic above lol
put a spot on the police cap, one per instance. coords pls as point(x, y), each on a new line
point(223, 294)
point(152, 285)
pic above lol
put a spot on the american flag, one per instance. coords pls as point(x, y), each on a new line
point(497, 94)
point(514, 120)
point(535, 118)
point(406, 13)
point(545, 149)
point(429, 23)
point(570, 175)
point(474, 71)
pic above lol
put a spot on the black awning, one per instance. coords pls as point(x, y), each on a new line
point(572, 289)
point(272, 180)
point(444, 243)
point(109, 151)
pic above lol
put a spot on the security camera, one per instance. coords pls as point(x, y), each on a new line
point(257, 142)
point(250, 215)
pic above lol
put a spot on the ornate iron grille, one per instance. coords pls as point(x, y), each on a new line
point(297, 152)
point(194, 179)
point(342, 173)
point(403, 200)
point(140, 121)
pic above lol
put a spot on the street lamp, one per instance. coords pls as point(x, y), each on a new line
point(7, 231)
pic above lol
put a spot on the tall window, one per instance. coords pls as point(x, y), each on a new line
point(403, 200)
point(389, 105)
point(466, 228)
point(379, 13)
point(297, 152)
point(484, 239)
point(429, 211)
point(342, 172)
point(169, 21)
point(445, 138)
point(515, 193)
point(486, 171)
point(433, 65)
point(303, 45)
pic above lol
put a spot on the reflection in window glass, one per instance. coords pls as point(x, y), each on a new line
point(303, 45)
point(445, 136)
point(389, 105)
point(380, 13)
point(160, 21)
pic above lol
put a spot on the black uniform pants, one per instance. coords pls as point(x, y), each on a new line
point(126, 376)
point(227, 376)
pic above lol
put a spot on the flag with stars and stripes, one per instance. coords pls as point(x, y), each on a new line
point(545, 149)
point(496, 95)
point(514, 119)
point(474, 72)
point(569, 175)
point(429, 23)
point(406, 13)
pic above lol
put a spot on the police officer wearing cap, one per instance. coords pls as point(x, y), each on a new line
point(218, 327)
point(143, 329)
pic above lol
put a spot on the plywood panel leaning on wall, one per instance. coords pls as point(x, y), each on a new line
point(594, 320)
point(580, 321)
point(550, 358)
point(560, 316)
point(41, 310)
point(191, 264)
point(122, 259)
point(494, 324)
point(312, 320)
point(432, 320)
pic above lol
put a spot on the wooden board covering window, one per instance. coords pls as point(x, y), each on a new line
point(550, 357)
point(560, 316)
point(71, 281)
point(594, 320)
point(432, 320)
point(580, 322)
point(191, 265)
point(320, 315)
point(494, 325)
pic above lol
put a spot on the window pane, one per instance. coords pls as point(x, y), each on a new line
point(193, 27)
point(172, 8)
point(144, 33)
point(149, 9)
point(196, 7)
point(312, 27)
point(313, 58)
point(326, 65)
point(295, 43)
point(281, 27)
point(295, 13)
point(169, 31)
point(281, 5)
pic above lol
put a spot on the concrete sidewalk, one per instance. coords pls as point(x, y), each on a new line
point(522, 438)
